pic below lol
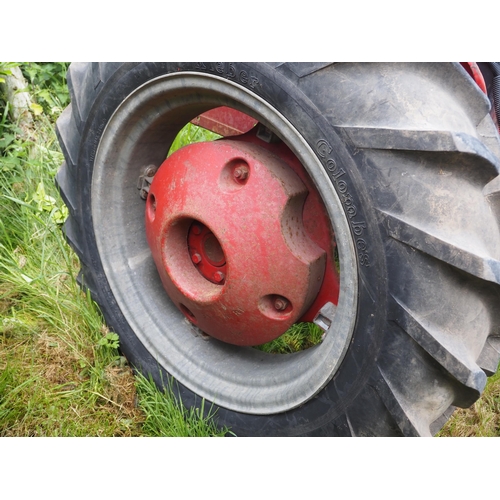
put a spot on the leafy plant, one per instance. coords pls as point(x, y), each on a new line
point(191, 134)
point(298, 337)
point(58, 211)
point(48, 86)
point(8, 131)
point(5, 68)
point(110, 340)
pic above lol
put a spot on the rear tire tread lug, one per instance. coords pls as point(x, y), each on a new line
point(69, 136)
point(437, 141)
point(464, 371)
point(72, 232)
point(483, 267)
point(66, 187)
point(86, 283)
point(396, 407)
point(490, 355)
point(76, 75)
point(438, 424)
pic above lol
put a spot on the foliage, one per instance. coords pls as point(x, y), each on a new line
point(5, 68)
point(298, 337)
point(191, 134)
point(47, 86)
point(110, 340)
point(54, 380)
point(61, 373)
point(166, 416)
point(482, 419)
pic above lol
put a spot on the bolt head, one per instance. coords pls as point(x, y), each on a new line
point(241, 173)
point(150, 171)
point(196, 258)
point(218, 276)
point(280, 304)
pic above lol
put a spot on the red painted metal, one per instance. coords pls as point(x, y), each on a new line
point(206, 253)
point(248, 213)
point(225, 121)
point(473, 69)
point(316, 223)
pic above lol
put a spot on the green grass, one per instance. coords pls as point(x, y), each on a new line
point(166, 416)
point(60, 371)
point(482, 419)
point(298, 337)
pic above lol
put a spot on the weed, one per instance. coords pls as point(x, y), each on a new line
point(5, 68)
point(298, 337)
point(480, 420)
point(110, 340)
point(60, 370)
point(47, 86)
point(166, 416)
point(191, 134)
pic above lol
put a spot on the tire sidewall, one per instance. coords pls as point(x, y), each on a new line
point(291, 98)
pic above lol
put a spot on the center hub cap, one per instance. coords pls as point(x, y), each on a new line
point(225, 227)
point(206, 253)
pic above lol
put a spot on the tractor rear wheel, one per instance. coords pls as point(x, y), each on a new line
point(402, 161)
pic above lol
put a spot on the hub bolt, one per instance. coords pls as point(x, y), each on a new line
point(150, 170)
point(196, 258)
point(241, 173)
point(218, 276)
point(280, 304)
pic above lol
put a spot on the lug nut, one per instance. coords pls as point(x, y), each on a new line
point(218, 276)
point(196, 258)
point(241, 173)
point(280, 304)
point(150, 171)
point(196, 229)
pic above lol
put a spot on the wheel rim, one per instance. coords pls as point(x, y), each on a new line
point(238, 378)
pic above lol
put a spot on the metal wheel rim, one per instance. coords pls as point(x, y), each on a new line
point(238, 378)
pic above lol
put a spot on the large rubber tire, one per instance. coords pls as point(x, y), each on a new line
point(406, 158)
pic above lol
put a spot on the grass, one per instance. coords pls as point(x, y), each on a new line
point(165, 415)
point(60, 370)
point(480, 420)
point(298, 337)
point(57, 379)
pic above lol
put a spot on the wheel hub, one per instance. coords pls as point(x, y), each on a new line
point(225, 227)
point(206, 253)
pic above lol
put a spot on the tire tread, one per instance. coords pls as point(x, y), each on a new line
point(481, 266)
point(397, 407)
point(450, 356)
